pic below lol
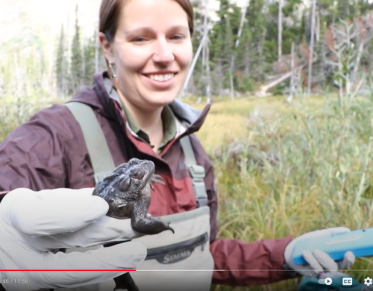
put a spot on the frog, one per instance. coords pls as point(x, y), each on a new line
point(127, 190)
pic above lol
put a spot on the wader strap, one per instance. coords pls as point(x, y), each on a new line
point(197, 173)
point(101, 159)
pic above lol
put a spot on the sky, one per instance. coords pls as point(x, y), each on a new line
point(48, 14)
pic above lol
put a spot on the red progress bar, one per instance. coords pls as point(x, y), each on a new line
point(65, 270)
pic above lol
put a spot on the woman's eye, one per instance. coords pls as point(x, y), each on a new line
point(138, 39)
point(177, 36)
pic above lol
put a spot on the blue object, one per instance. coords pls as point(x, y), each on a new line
point(359, 242)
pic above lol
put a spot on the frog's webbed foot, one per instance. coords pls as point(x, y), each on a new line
point(147, 224)
point(170, 228)
point(156, 179)
point(151, 225)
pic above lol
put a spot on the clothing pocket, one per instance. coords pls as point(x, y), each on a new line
point(177, 252)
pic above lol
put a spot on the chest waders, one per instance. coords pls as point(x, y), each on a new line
point(180, 261)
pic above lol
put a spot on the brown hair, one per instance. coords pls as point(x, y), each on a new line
point(110, 13)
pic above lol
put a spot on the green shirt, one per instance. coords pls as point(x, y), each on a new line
point(169, 126)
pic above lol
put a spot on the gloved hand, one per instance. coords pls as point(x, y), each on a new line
point(318, 262)
point(34, 224)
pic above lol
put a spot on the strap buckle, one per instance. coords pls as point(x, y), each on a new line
point(197, 174)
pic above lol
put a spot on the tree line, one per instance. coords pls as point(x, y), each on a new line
point(275, 34)
point(277, 46)
point(85, 58)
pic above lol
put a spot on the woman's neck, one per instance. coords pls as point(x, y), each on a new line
point(148, 121)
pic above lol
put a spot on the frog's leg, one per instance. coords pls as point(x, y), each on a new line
point(143, 223)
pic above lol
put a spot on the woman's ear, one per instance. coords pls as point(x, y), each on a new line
point(106, 47)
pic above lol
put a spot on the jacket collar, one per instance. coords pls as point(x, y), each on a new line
point(107, 104)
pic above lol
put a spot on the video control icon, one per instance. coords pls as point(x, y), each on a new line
point(346, 281)
point(368, 281)
point(328, 281)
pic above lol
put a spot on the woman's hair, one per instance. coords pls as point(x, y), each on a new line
point(110, 13)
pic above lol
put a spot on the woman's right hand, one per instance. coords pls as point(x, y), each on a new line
point(33, 225)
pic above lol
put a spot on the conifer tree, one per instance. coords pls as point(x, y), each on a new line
point(60, 64)
point(89, 60)
point(259, 47)
point(76, 64)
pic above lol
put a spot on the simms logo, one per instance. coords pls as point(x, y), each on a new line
point(176, 257)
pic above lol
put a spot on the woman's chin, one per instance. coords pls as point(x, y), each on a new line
point(159, 99)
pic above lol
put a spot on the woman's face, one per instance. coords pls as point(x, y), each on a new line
point(152, 52)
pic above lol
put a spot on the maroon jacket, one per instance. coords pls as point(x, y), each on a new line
point(49, 152)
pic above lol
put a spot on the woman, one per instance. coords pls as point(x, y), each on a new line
point(148, 48)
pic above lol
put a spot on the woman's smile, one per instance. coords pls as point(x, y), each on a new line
point(161, 80)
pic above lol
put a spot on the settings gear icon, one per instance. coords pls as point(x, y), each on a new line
point(368, 281)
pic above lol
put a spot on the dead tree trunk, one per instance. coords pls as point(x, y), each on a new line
point(243, 14)
point(206, 54)
point(311, 47)
point(279, 25)
point(203, 43)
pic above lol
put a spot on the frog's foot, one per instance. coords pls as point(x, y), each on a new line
point(151, 225)
point(156, 179)
point(158, 225)
point(170, 228)
point(149, 216)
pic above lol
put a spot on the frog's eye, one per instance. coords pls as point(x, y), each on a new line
point(138, 175)
point(125, 184)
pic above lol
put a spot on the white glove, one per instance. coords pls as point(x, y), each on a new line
point(318, 262)
point(34, 224)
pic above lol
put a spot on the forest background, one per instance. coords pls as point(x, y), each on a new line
point(291, 125)
point(249, 44)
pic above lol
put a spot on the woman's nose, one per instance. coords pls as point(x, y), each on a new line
point(163, 52)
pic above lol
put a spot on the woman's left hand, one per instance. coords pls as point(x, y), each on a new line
point(318, 261)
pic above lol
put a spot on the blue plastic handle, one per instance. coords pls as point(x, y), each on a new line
point(359, 242)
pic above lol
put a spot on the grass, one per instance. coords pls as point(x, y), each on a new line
point(282, 168)
point(321, 176)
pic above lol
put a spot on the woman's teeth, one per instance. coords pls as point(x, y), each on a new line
point(161, 78)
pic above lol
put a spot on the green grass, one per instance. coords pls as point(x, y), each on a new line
point(282, 168)
point(322, 177)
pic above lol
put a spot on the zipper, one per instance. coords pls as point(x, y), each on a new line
point(177, 252)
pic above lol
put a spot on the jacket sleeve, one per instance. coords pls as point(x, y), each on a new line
point(249, 263)
point(239, 263)
point(34, 155)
